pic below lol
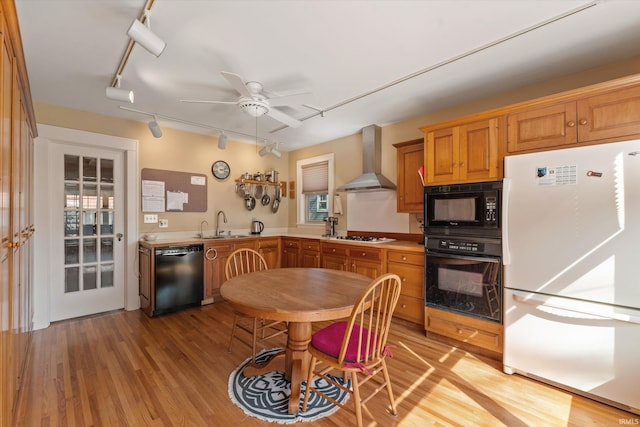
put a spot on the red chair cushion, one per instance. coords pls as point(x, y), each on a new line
point(329, 340)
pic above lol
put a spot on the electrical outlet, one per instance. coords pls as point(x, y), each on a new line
point(150, 219)
point(164, 223)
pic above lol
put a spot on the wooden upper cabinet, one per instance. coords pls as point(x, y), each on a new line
point(604, 117)
point(538, 128)
point(614, 114)
point(465, 153)
point(410, 157)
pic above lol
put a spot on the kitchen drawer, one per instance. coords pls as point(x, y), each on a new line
point(291, 243)
point(406, 257)
point(310, 245)
point(411, 277)
point(335, 250)
point(411, 309)
point(366, 253)
point(268, 243)
point(483, 334)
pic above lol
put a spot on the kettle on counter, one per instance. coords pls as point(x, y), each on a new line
point(257, 227)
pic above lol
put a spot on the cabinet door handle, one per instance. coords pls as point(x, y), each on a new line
point(583, 122)
point(571, 124)
point(462, 164)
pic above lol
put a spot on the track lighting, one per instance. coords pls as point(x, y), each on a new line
point(276, 153)
point(222, 141)
point(142, 34)
point(118, 94)
point(154, 127)
point(265, 150)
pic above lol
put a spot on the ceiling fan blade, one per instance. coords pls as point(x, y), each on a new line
point(286, 100)
point(237, 83)
point(199, 101)
point(284, 118)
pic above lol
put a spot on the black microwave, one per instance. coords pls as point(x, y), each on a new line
point(463, 209)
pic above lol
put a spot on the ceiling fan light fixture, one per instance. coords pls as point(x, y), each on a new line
point(154, 127)
point(222, 141)
point(142, 34)
point(253, 107)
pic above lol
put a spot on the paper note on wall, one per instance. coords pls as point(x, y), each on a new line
point(375, 211)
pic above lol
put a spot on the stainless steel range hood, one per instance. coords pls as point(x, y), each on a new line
point(371, 178)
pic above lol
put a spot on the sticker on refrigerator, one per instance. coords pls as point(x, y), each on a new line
point(559, 175)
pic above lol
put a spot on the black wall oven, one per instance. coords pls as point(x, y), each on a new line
point(464, 275)
point(463, 249)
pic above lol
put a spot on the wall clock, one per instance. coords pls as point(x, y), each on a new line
point(220, 170)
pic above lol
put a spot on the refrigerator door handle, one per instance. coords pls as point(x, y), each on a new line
point(609, 316)
point(506, 191)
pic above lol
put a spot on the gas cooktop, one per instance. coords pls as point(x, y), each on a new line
point(368, 239)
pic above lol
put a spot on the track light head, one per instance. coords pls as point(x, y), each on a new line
point(264, 151)
point(275, 152)
point(142, 34)
point(154, 127)
point(222, 141)
point(118, 94)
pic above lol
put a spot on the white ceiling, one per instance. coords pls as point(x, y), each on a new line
point(337, 50)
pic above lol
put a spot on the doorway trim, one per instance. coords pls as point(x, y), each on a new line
point(42, 202)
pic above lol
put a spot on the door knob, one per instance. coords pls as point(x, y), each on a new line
point(119, 236)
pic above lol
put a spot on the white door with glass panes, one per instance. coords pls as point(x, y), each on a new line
point(87, 274)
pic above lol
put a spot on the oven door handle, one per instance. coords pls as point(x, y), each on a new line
point(463, 257)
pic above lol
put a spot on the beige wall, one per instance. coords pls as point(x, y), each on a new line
point(184, 151)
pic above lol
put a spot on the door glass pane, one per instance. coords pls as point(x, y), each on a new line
point(71, 280)
point(89, 169)
point(89, 250)
point(106, 223)
point(71, 223)
point(106, 275)
point(89, 196)
point(71, 195)
point(71, 168)
point(106, 249)
point(106, 170)
point(106, 196)
point(89, 223)
point(89, 278)
point(71, 251)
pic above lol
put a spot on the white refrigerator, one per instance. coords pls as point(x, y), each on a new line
point(571, 250)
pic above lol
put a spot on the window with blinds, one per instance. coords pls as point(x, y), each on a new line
point(315, 186)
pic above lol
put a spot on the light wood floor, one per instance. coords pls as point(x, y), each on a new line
point(123, 368)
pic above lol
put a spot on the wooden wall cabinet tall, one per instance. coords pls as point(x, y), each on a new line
point(410, 156)
point(468, 152)
point(17, 131)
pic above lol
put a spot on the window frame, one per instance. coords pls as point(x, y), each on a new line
point(301, 218)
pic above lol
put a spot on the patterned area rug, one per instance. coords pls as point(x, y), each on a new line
point(267, 396)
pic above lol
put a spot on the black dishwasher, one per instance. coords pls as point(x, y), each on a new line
point(179, 278)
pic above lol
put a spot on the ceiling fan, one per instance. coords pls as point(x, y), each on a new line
point(256, 102)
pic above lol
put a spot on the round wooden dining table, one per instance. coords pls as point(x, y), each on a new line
point(299, 296)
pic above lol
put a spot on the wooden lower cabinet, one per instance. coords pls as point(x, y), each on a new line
point(215, 258)
point(468, 330)
point(358, 259)
point(290, 252)
point(410, 267)
point(269, 248)
point(309, 253)
point(145, 270)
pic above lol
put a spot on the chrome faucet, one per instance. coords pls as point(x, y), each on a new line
point(224, 216)
point(201, 231)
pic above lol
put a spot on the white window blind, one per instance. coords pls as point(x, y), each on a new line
point(315, 178)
